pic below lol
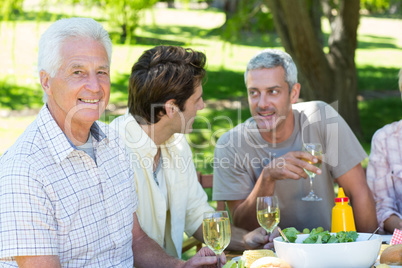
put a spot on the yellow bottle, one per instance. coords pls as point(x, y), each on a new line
point(342, 214)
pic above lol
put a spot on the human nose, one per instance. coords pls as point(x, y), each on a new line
point(202, 106)
point(92, 83)
point(263, 102)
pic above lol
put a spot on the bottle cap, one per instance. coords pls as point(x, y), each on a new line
point(341, 196)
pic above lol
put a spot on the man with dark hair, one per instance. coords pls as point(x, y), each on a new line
point(165, 93)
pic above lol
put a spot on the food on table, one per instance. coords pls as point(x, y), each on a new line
point(291, 234)
point(270, 262)
point(383, 266)
point(230, 264)
point(383, 247)
point(319, 236)
point(250, 256)
point(392, 255)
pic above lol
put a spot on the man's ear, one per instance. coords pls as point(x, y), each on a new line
point(171, 108)
point(294, 93)
point(44, 81)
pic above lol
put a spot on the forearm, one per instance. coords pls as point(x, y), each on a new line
point(147, 253)
point(46, 261)
point(392, 223)
point(245, 215)
point(237, 239)
point(364, 212)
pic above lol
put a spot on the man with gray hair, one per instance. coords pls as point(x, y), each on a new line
point(263, 157)
point(67, 191)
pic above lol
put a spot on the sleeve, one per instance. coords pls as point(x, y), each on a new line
point(343, 151)
point(232, 179)
point(197, 198)
point(379, 179)
point(27, 224)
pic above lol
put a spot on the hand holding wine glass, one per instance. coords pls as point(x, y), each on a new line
point(216, 231)
point(268, 213)
point(316, 150)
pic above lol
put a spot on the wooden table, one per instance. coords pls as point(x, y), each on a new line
point(230, 254)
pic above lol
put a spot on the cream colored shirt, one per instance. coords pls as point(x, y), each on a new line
point(187, 199)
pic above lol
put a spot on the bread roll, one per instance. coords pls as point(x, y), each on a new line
point(270, 262)
point(392, 255)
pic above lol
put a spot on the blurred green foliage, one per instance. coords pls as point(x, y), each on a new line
point(375, 6)
point(10, 9)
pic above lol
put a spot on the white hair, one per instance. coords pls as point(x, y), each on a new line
point(49, 58)
point(271, 58)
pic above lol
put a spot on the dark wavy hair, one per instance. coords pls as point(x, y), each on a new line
point(160, 74)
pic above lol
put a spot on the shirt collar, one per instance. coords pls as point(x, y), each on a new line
point(58, 143)
point(135, 136)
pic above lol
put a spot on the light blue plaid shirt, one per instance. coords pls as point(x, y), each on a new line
point(55, 200)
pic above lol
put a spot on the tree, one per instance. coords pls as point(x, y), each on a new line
point(330, 76)
point(9, 9)
point(125, 14)
point(245, 15)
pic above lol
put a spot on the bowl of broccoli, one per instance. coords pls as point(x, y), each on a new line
point(322, 249)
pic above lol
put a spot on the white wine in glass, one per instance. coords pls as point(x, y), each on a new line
point(216, 230)
point(316, 150)
point(268, 213)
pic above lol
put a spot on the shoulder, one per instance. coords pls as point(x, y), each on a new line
point(179, 143)
point(389, 130)
point(29, 147)
point(18, 170)
point(311, 107)
point(236, 133)
point(119, 123)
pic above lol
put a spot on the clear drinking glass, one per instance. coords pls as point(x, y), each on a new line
point(316, 150)
point(268, 213)
point(216, 230)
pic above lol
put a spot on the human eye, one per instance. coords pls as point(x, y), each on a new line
point(253, 92)
point(274, 91)
point(103, 72)
point(77, 72)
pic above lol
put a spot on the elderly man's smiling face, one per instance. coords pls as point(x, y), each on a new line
point(79, 92)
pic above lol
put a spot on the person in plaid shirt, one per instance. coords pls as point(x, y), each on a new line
point(384, 174)
point(67, 191)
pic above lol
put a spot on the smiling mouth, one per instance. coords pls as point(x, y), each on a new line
point(89, 101)
point(266, 114)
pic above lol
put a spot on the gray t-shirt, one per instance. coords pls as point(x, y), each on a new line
point(241, 154)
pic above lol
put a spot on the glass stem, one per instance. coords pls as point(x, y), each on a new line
point(218, 260)
point(311, 184)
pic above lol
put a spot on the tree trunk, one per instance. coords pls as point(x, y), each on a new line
point(230, 8)
point(330, 77)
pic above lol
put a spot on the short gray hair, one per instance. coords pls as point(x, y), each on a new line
point(271, 58)
point(49, 58)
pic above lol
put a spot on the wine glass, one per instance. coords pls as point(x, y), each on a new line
point(216, 230)
point(316, 150)
point(268, 214)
